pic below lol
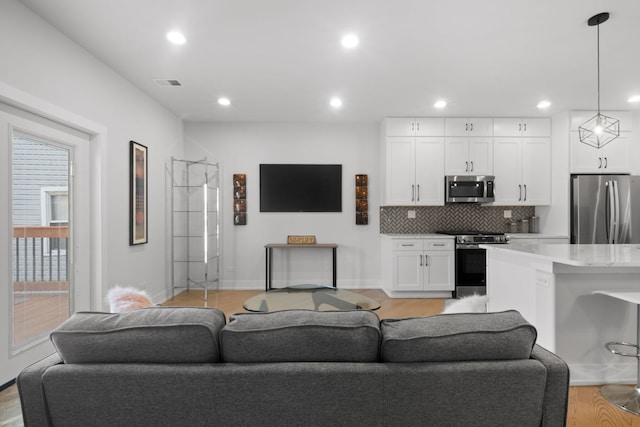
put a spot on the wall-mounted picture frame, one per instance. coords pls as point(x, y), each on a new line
point(138, 207)
point(239, 199)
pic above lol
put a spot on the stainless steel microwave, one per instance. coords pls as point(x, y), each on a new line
point(469, 189)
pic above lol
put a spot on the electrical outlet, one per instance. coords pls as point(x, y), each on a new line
point(411, 214)
point(507, 214)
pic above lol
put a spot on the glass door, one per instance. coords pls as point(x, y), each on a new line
point(40, 245)
point(45, 264)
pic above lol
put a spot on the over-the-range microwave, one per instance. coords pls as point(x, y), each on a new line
point(469, 189)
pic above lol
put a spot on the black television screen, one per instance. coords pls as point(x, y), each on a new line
point(300, 188)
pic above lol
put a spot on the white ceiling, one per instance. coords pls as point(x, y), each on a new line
point(281, 60)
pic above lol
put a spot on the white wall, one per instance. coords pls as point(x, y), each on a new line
point(241, 147)
point(39, 60)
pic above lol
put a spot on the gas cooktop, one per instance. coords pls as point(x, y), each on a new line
point(476, 237)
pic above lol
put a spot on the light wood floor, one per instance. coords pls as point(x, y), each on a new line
point(586, 407)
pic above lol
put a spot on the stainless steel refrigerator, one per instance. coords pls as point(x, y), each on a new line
point(605, 209)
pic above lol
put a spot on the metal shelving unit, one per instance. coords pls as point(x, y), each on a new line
point(195, 224)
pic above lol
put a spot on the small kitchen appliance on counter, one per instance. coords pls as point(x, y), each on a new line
point(471, 274)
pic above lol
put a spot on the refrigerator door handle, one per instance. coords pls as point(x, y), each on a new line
point(608, 204)
point(616, 221)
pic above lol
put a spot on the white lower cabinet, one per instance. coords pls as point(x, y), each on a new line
point(418, 264)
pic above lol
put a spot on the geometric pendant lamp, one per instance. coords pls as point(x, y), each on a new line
point(599, 130)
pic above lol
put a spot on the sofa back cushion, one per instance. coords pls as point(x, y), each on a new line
point(149, 335)
point(457, 337)
point(302, 336)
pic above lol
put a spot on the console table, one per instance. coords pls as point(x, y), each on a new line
point(269, 255)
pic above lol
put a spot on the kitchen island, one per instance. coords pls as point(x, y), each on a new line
point(552, 286)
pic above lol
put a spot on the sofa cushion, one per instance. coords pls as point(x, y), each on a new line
point(149, 335)
point(301, 336)
point(456, 337)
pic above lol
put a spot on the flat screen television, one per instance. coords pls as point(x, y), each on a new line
point(300, 188)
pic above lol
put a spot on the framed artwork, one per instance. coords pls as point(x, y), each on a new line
point(239, 199)
point(138, 208)
point(362, 199)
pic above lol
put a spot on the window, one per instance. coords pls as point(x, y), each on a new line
point(55, 211)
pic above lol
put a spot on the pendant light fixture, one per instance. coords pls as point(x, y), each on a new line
point(599, 130)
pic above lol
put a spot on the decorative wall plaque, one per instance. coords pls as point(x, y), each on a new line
point(239, 199)
point(362, 199)
point(301, 240)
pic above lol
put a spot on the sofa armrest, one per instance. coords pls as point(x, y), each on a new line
point(34, 403)
point(556, 394)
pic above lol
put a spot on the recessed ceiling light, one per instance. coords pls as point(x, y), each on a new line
point(224, 101)
point(440, 104)
point(635, 98)
point(176, 37)
point(350, 41)
point(335, 102)
point(544, 104)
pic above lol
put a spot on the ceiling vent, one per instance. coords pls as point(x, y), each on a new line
point(167, 82)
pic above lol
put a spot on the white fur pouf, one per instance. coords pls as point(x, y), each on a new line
point(126, 299)
point(471, 304)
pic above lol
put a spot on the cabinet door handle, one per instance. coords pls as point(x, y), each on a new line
point(426, 264)
point(412, 126)
point(519, 127)
point(520, 190)
point(525, 192)
point(438, 244)
point(466, 169)
point(418, 126)
point(525, 127)
point(605, 162)
point(418, 193)
point(472, 166)
point(466, 127)
point(471, 127)
point(599, 162)
point(410, 245)
point(420, 260)
point(413, 193)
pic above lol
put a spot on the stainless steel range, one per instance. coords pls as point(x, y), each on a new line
point(471, 261)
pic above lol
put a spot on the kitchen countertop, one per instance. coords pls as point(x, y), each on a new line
point(575, 255)
point(417, 236)
point(536, 236)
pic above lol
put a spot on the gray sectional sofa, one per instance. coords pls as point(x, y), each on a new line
point(167, 366)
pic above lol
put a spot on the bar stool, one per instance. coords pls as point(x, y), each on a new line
point(625, 397)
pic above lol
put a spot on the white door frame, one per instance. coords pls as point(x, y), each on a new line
point(98, 186)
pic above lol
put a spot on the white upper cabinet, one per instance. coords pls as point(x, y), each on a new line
point(468, 156)
point(522, 167)
point(413, 165)
point(524, 127)
point(613, 157)
point(468, 127)
point(414, 171)
point(414, 126)
point(468, 146)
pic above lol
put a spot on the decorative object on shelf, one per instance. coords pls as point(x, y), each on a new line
point(362, 199)
point(599, 130)
point(138, 213)
point(239, 199)
point(301, 240)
